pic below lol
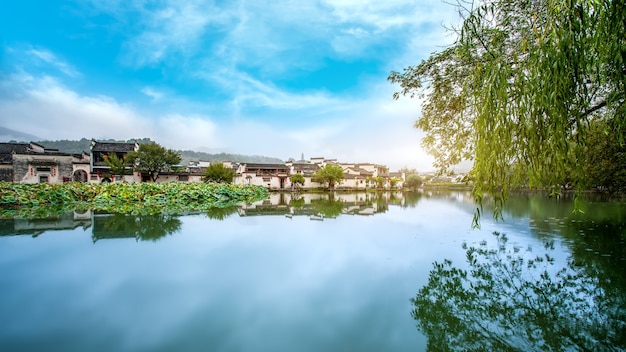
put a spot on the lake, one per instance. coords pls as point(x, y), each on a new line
point(351, 272)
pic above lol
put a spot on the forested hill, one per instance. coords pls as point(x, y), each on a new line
point(72, 146)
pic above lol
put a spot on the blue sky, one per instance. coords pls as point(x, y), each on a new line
point(274, 78)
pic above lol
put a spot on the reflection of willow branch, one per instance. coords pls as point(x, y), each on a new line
point(499, 304)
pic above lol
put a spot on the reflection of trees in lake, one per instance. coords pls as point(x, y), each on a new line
point(140, 227)
point(297, 202)
point(512, 299)
point(217, 213)
point(411, 199)
point(329, 208)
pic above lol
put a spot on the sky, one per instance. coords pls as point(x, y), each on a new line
point(274, 78)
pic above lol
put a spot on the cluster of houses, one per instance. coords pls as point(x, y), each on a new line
point(33, 163)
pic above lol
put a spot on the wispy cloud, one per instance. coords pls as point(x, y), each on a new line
point(273, 36)
point(50, 58)
point(27, 57)
point(152, 93)
point(373, 131)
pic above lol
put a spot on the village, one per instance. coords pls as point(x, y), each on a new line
point(33, 163)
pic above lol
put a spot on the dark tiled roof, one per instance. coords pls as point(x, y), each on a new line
point(302, 167)
point(257, 166)
point(13, 147)
point(7, 149)
point(361, 171)
point(113, 147)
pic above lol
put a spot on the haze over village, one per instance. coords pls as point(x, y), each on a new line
point(33, 162)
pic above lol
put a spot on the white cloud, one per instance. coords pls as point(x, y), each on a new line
point(188, 132)
point(373, 130)
point(44, 107)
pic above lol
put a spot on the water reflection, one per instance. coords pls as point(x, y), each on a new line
point(38, 225)
point(509, 298)
point(139, 227)
point(320, 206)
point(316, 206)
point(304, 281)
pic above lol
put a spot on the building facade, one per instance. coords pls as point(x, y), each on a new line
point(32, 163)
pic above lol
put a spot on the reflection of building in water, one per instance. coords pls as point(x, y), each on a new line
point(36, 227)
point(317, 206)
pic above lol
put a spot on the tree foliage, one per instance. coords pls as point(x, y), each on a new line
point(218, 173)
point(118, 165)
point(516, 91)
point(329, 174)
point(413, 181)
point(152, 158)
point(297, 179)
point(394, 181)
point(379, 181)
point(604, 159)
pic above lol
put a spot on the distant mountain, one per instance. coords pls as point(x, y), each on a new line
point(9, 135)
point(189, 155)
point(73, 146)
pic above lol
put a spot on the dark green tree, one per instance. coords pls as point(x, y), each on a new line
point(217, 172)
point(516, 91)
point(151, 158)
point(605, 158)
point(329, 174)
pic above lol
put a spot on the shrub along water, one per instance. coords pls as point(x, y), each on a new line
point(128, 198)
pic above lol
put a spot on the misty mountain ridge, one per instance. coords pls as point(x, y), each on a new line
point(82, 145)
point(9, 135)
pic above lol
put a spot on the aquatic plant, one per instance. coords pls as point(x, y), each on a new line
point(135, 198)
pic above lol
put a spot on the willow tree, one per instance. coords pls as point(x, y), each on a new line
point(517, 89)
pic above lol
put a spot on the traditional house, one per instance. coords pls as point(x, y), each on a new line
point(100, 171)
point(33, 163)
point(376, 169)
point(307, 170)
point(271, 176)
point(355, 177)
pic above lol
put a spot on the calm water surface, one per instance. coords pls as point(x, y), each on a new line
point(310, 273)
